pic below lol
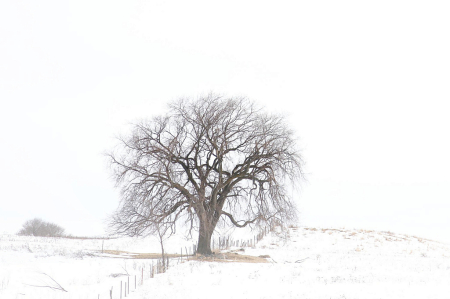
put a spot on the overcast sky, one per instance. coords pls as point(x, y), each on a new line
point(364, 84)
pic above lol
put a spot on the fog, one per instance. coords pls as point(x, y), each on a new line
point(363, 85)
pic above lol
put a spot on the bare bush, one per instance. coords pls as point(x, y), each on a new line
point(37, 227)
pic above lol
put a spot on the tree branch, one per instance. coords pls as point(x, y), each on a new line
point(236, 222)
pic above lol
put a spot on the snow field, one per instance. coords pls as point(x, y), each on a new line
point(304, 263)
point(78, 265)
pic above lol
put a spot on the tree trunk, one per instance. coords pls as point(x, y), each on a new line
point(161, 241)
point(163, 256)
point(204, 239)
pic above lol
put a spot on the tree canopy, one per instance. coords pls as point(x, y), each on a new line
point(207, 159)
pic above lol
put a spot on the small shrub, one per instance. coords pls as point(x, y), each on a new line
point(38, 228)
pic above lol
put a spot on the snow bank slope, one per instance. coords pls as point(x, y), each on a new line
point(313, 263)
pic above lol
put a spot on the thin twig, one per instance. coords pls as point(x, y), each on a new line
point(59, 288)
point(125, 271)
point(302, 260)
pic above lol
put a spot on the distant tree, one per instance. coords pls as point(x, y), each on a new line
point(205, 160)
point(39, 228)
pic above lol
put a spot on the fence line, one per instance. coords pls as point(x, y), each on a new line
point(162, 264)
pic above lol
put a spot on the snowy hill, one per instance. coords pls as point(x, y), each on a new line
point(301, 263)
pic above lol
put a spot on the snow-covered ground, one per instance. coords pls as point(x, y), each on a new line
point(303, 263)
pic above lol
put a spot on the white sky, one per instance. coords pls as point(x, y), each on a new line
point(365, 85)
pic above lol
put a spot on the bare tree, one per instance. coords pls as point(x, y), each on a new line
point(205, 159)
point(37, 227)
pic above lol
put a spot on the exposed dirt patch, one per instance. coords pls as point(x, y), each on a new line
point(133, 255)
point(227, 257)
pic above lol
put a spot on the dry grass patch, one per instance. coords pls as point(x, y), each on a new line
point(230, 257)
